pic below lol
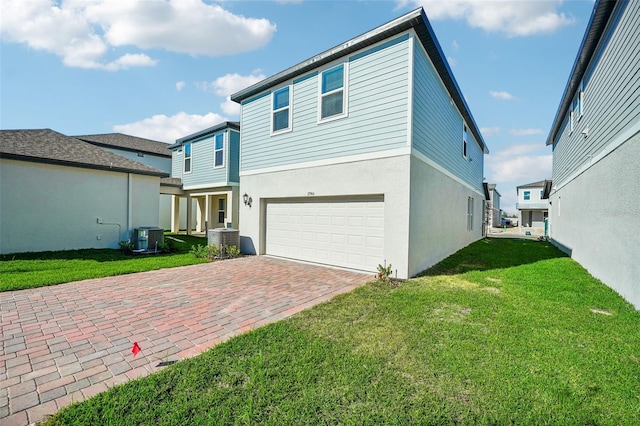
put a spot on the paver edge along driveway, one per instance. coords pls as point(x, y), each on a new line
point(68, 342)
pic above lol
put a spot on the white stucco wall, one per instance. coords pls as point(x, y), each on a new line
point(50, 207)
point(438, 221)
point(387, 176)
point(596, 218)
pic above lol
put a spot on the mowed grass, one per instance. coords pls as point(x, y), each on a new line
point(30, 270)
point(523, 336)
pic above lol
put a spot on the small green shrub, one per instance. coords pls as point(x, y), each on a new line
point(212, 252)
point(200, 251)
point(168, 246)
point(126, 246)
point(230, 252)
point(384, 273)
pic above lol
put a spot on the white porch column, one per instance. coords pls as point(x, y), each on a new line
point(200, 211)
point(175, 213)
point(231, 210)
point(189, 214)
point(207, 212)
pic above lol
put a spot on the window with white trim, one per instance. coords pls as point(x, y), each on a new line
point(464, 140)
point(281, 110)
point(221, 210)
point(218, 151)
point(469, 214)
point(580, 101)
point(333, 93)
point(187, 157)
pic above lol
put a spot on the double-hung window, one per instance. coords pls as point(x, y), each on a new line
point(187, 157)
point(218, 150)
point(333, 93)
point(469, 214)
point(281, 110)
point(464, 140)
point(221, 210)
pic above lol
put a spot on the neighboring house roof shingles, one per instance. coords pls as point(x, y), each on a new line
point(128, 143)
point(48, 146)
point(415, 19)
point(225, 124)
point(538, 184)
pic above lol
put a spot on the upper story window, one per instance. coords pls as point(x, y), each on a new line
point(527, 195)
point(187, 157)
point(333, 93)
point(218, 151)
point(281, 110)
point(580, 102)
point(464, 140)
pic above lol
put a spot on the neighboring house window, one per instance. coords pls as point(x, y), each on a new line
point(469, 213)
point(464, 140)
point(333, 97)
point(541, 192)
point(281, 110)
point(218, 153)
point(527, 195)
point(187, 157)
point(221, 210)
point(580, 102)
point(571, 122)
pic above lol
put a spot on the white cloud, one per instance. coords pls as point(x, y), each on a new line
point(517, 165)
point(83, 32)
point(455, 45)
point(452, 61)
point(169, 128)
point(525, 132)
point(180, 85)
point(229, 84)
point(511, 17)
point(489, 131)
point(502, 95)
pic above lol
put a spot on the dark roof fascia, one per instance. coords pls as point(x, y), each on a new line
point(547, 189)
point(485, 186)
point(415, 19)
point(102, 144)
point(533, 184)
point(30, 159)
point(234, 125)
point(602, 12)
point(122, 148)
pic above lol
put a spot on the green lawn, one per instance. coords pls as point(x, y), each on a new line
point(503, 332)
point(30, 270)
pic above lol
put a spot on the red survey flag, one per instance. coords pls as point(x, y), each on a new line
point(135, 349)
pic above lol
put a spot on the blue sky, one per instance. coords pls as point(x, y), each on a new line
point(165, 69)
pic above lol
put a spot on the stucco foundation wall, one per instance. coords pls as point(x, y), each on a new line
point(438, 221)
point(596, 218)
point(49, 207)
point(388, 176)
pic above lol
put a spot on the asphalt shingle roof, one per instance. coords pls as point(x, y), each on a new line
point(127, 142)
point(48, 146)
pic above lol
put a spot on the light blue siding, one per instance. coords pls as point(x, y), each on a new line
point(177, 165)
point(234, 156)
point(377, 114)
point(156, 161)
point(202, 169)
point(611, 95)
point(437, 125)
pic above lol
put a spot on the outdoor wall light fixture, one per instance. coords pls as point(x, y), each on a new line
point(247, 200)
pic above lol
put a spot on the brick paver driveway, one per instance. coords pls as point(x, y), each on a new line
point(71, 341)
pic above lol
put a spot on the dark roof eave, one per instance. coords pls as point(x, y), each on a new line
point(416, 20)
point(602, 11)
point(225, 124)
point(27, 158)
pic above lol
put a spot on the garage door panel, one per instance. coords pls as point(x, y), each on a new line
point(348, 233)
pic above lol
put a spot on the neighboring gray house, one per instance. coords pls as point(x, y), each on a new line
point(533, 209)
point(152, 153)
point(59, 193)
point(493, 206)
point(595, 208)
point(364, 154)
point(205, 169)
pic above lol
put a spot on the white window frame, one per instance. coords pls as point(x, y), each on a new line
point(215, 151)
point(469, 214)
point(344, 89)
point(186, 157)
point(580, 105)
point(222, 210)
point(571, 120)
point(274, 111)
point(465, 142)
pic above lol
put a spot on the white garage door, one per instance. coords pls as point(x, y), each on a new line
point(347, 233)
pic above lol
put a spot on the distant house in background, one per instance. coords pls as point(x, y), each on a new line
point(152, 153)
point(532, 208)
point(206, 164)
point(493, 211)
point(362, 155)
point(59, 193)
point(594, 194)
